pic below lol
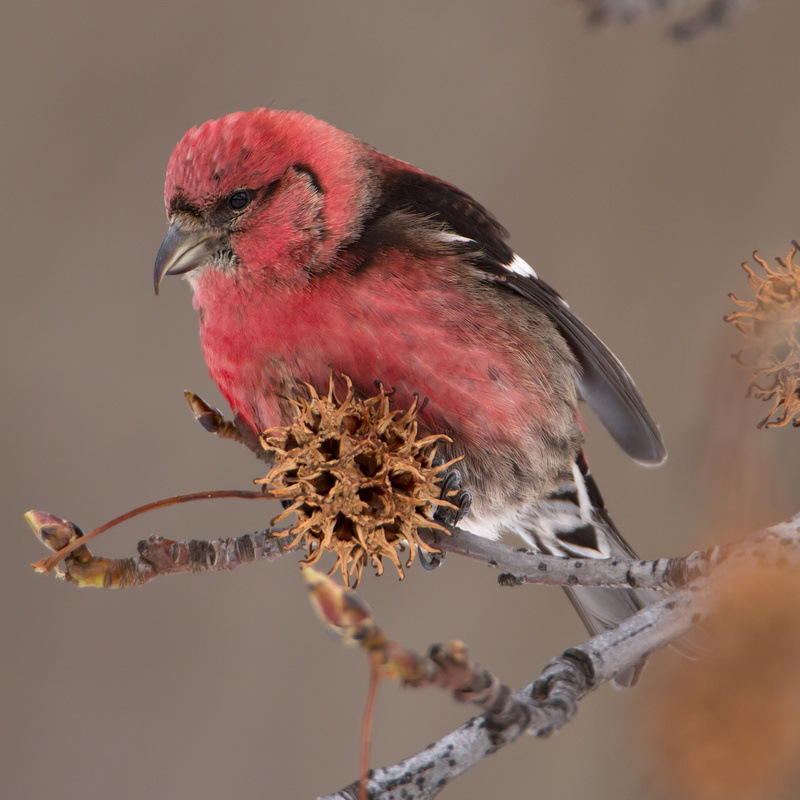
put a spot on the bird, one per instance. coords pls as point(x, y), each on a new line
point(308, 250)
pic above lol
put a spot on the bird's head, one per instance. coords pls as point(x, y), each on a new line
point(272, 193)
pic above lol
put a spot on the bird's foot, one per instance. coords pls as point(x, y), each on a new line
point(430, 561)
point(460, 499)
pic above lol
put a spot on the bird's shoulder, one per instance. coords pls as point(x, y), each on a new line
point(442, 205)
point(415, 211)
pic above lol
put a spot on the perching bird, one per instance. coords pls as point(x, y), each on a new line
point(308, 250)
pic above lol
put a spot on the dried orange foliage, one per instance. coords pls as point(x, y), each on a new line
point(358, 478)
point(772, 324)
point(729, 723)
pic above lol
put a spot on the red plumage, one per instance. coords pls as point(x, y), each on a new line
point(307, 249)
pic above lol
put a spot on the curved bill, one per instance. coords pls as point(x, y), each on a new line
point(182, 251)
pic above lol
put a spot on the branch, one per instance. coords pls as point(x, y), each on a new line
point(520, 565)
point(345, 614)
point(540, 708)
point(553, 697)
point(64, 537)
point(710, 14)
point(157, 556)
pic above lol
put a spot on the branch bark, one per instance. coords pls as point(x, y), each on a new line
point(159, 556)
point(520, 565)
point(551, 700)
point(553, 697)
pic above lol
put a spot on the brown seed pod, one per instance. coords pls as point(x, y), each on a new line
point(359, 480)
point(771, 322)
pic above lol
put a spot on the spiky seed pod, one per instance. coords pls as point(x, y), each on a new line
point(358, 478)
point(772, 324)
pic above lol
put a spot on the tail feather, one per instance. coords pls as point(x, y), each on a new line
point(573, 522)
point(601, 609)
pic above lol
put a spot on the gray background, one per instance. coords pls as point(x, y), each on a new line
point(634, 174)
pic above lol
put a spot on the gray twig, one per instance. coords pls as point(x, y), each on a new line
point(707, 15)
point(520, 565)
point(553, 697)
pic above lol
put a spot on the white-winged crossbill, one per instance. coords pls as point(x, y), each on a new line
point(307, 250)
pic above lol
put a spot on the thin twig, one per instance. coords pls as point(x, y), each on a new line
point(520, 565)
point(552, 699)
point(517, 565)
point(366, 723)
point(47, 564)
point(159, 556)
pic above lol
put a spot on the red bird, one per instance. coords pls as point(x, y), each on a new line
point(307, 249)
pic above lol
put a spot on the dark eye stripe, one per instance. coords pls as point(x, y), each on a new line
point(181, 205)
point(270, 189)
point(304, 169)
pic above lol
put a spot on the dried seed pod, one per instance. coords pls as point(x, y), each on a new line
point(772, 324)
point(359, 480)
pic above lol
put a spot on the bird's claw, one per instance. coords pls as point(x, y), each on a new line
point(430, 561)
point(458, 505)
point(464, 503)
point(450, 483)
point(453, 493)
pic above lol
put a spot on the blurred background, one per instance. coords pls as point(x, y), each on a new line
point(634, 174)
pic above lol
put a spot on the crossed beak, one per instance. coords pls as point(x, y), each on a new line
point(184, 250)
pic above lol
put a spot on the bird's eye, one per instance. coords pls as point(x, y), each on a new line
point(238, 200)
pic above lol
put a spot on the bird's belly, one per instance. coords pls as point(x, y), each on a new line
point(514, 429)
point(468, 392)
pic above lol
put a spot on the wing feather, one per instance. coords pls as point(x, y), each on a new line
point(605, 385)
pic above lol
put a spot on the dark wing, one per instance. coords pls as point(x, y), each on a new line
point(605, 384)
point(404, 189)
